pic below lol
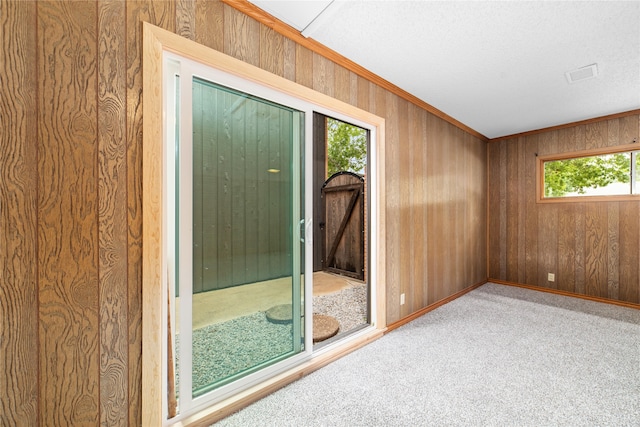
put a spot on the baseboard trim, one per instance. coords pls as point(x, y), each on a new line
point(433, 306)
point(216, 412)
point(567, 294)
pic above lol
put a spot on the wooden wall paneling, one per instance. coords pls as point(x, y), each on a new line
point(629, 226)
point(19, 372)
point(185, 18)
point(162, 14)
point(613, 249)
point(342, 83)
point(596, 249)
point(512, 208)
point(68, 214)
point(480, 214)
point(440, 199)
point(353, 88)
point(467, 167)
point(405, 175)
point(209, 24)
point(596, 134)
point(493, 154)
point(323, 75)
point(363, 91)
point(613, 132)
point(289, 60)
point(629, 129)
point(629, 279)
point(424, 176)
point(523, 193)
point(271, 51)
point(241, 36)
point(565, 272)
point(565, 275)
point(417, 206)
point(459, 152)
point(304, 66)
point(531, 211)
point(393, 166)
point(547, 222)
point(580, 260)
point(448, 212)
point(502, 211)
point(112, 214)
point(435, 203)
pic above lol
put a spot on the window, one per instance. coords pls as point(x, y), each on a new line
point(609, 174)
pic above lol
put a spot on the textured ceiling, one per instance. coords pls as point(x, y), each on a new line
point(496, 66)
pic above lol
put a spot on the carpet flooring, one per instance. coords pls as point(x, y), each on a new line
point(497, 356)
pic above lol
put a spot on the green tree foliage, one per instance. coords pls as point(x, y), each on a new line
point(577, 175)
point(346, 147)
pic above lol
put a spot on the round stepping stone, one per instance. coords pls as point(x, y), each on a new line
point(280, 313)
point(324, 327)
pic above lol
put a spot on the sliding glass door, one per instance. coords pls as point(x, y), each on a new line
point(238, 302)
point(246, 214)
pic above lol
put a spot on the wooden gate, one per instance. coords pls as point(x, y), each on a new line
point(342, 227)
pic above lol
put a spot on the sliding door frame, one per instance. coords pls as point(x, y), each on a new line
point(155, 277)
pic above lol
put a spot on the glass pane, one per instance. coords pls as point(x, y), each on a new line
point(603, 175)
point(247, 208)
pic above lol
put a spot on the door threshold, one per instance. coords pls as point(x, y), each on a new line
point(317, 360)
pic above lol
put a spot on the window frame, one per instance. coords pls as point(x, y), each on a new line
point(541, 160)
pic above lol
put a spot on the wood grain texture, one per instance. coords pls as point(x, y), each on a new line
point(494, 246)
point(112, 214)
point(72, 187)
point(209, 24)
point(18, 216)
point(511, 223)
point(417, 206)
point(185, 11)
point(162, 14)
point(68, 214)
point(323, 75)
point(289, 60)
point(591, 246)
point(341, 80)
point(404, 189)
point(629, 242)
point(241, 36)
point(271, 51)
point(547, 223)
point(393, 208)
point(304, 66)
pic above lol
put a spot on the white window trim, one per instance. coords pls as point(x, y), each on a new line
point(157, 269)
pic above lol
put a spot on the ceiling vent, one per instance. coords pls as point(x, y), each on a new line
point(582, 73)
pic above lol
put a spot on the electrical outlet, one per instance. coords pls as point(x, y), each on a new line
point(401, 299)
point(551, 277)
